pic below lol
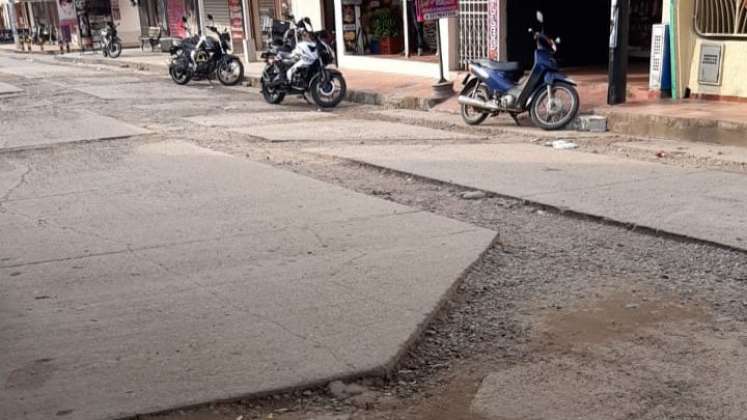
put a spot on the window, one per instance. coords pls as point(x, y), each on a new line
point(721, 18)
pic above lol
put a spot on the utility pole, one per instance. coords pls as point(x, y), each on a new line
point(11, 8)
point(618, 67)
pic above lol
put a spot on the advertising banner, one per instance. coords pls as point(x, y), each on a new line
point(436, 9)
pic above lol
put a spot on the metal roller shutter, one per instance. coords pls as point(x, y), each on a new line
point(219, 10)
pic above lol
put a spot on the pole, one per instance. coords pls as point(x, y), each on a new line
point(440, 52)
point(11, 7)
point(618, 66)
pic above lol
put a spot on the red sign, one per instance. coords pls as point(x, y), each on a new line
point(493, 32)
point(237, 19)
point(436, 9)
point(175, 13)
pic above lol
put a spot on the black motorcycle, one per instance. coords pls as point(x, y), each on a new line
point(111, 45)
point(205, 58)
point(298, 65)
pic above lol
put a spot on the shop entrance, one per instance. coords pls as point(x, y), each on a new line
point(584, 29)
point(387, 29)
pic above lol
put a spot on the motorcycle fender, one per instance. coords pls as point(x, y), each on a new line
point(330, 71)
point(552, 78)
point(469, 86)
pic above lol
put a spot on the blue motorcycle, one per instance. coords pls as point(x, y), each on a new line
point(548, 95)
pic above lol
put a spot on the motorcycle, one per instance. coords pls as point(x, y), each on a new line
point(548, 95)
point(298, 65)
point(111, 45)
point(206, 58)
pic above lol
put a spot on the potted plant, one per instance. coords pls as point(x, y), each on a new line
point(386, 31)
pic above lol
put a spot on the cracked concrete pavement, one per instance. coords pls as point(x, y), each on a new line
point(148, 273)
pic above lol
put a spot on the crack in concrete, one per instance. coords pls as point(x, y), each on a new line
point(17, 185)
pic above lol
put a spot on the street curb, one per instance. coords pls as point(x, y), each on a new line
point(373, 98)
point(563, 211)
point(727, 133)
point(112, 62)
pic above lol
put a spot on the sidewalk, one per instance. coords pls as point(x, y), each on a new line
point(693, 120)
point(702, 204)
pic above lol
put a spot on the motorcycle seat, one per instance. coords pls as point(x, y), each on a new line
point(498, 65)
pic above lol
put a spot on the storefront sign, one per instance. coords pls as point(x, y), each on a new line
point(176, 11)
point(493, 32)
point(436, 9)
point(237, 20)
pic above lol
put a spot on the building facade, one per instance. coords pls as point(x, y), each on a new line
point(709, 48)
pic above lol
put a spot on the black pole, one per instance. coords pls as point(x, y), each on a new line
point(440, 51)
point(618, 67)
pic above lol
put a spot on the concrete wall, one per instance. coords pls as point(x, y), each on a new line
point(129, 24)
point(685, 43)
point(733, 80)
point(734, 66)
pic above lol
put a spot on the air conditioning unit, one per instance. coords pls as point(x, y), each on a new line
point(660, 75)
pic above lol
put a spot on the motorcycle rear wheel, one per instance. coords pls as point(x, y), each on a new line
point(329, 94)
point(115, 49)
point(472, 115)
point(181, 74)
point(272, 95)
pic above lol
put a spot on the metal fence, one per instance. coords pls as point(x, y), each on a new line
point(721, 18)
point(473, 30)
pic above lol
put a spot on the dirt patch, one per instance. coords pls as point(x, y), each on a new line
point(614, 316)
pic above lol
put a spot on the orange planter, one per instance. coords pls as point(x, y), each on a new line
point(389, 46)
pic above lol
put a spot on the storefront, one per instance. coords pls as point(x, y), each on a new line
point(385, 35)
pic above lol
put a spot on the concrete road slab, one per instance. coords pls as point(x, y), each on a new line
point(152, 90)
point(348, 130)
point(37, 70)
point(245, 119)
point(8, 89)
point(140, 278)
point(205, 105)
point(31, 130)
point(702, 204)
point(102, 80)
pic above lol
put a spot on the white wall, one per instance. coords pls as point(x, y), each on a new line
point(311, 9)
point(129, 24)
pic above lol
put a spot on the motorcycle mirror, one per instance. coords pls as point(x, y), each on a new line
point(210, 17)
point(540, 17)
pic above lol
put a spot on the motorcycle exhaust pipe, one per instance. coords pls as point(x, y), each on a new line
point(477, 103)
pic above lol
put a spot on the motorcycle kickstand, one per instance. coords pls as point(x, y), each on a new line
point(515, 118)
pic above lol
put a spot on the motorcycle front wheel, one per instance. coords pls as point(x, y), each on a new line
point(556, 112)
point(230, 71)
point(115, 49)
point(180, 72)
point(328, 93)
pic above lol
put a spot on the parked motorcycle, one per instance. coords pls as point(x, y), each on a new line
point(302, 69)
point(206, 58)
point(111, 45)
point(493, 87)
